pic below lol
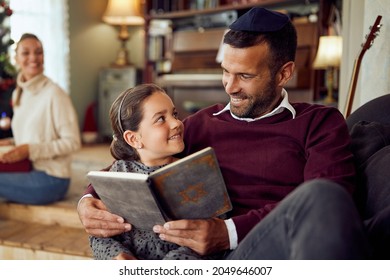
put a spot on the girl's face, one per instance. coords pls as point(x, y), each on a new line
point(161, 132)
point(29, 57)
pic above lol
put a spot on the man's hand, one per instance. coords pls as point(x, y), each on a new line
point(203, 236)
point(97, 221)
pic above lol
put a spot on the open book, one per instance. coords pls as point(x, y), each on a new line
point(189, 188)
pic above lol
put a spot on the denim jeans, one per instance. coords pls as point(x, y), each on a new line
point(35, 187)
point(318, 220)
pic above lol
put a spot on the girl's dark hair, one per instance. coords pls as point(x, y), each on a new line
point(282, 44)
point(18, 89)
point(126, 114)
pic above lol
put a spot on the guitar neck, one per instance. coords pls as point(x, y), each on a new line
point(355, 73)
point(352, 86)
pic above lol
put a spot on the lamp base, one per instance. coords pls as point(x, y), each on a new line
point(329, 100)
point(122, 58)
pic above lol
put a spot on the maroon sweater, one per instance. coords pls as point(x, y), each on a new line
point(264, 160)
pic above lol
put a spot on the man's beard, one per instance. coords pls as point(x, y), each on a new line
point(259, 105)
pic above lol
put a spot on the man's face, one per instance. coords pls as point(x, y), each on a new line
point(248, 82)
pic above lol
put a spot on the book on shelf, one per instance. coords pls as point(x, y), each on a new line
point(189, 188)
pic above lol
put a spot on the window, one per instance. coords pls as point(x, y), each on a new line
point(48, 20)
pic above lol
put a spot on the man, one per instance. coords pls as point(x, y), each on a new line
point(287, 167)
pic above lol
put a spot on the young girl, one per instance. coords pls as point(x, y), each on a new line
point(147, 132)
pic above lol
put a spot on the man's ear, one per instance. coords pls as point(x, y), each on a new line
point(133, 139)
point(285, 73)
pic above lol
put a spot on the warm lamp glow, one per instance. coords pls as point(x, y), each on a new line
point(329, 52)
point(328, 57)
point(123, 13)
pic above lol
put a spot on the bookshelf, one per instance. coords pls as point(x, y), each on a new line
point(183, 37)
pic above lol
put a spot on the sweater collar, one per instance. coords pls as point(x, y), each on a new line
point(285, 104)
point(33, 85)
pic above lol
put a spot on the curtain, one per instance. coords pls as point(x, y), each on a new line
point(48, 19)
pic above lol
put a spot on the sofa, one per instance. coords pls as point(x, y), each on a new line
point(369, 127)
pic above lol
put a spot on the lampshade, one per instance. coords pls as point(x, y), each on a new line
point(123, 12)
point(329, 52)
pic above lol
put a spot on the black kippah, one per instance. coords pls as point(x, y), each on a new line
point(260, 20)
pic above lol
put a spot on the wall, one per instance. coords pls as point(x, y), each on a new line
point(374, 75)
point(93, 45)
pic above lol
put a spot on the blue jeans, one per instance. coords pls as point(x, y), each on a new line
point(318, 220)
point(35, 187)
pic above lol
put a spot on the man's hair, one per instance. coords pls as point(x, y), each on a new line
point(282, 44)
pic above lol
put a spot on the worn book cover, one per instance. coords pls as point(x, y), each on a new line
point(189, 188)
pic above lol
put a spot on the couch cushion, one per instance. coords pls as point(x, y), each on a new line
point(368, 137)
point(375, 110)
point(377, 181)
point(376, 214)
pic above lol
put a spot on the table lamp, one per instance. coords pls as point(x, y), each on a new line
point(328, 57)
point(123, 13)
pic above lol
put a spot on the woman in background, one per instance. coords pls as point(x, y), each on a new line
point(45, 132)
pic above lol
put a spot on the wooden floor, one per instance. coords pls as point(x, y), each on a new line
point(52, 231)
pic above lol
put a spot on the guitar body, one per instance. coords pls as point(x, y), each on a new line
point(356, 68)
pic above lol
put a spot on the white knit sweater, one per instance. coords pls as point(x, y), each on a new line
point(47, 121)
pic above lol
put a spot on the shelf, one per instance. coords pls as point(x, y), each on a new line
point(223, 8)
point(188, 80)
